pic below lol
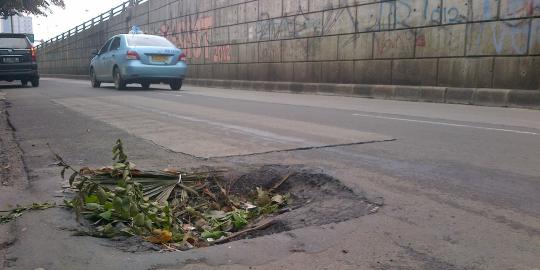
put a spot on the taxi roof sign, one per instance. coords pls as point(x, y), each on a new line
point(136, 30)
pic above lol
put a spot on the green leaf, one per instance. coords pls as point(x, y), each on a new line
point(216, 214)
point(117, 204)
point(102, 195)
point(91, 199)
point(92, 206)
point(149, 225)
point(139, 220)
point(126, 174)
point(133, 209)
point(131, 166)
point(106, 215)
point(72, 178)
point(108, 206)
point(214, 234)
point(119, 166)
point(239, 220)
point(68, 203)
point(125, 208)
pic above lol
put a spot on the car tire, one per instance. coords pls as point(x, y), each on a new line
point(35, 82)
point(24, 83)
point(176, 85)
point(93, 79)
point(119, 83)
point(145, 86)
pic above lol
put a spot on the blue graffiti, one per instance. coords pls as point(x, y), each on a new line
point(512, 32)
point(486, 9)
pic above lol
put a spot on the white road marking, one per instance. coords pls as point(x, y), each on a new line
point(176, 95)
point(444, 124)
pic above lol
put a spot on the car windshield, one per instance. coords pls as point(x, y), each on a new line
point(144, 40)
point(13, 42)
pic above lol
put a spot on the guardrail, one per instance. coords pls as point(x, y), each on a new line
point(103, 17)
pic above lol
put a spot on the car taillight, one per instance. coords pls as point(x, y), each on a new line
point(133, 55)
point(182, 57)
point(34, 55)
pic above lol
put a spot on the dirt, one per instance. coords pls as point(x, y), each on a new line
point(12, 178)
point(318, 198)
point(12, 170)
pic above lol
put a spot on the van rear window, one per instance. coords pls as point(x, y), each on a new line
point(147, 40)
point(14, 43)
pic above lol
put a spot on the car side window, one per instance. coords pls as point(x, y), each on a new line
point(105, 47)
point(115, 45)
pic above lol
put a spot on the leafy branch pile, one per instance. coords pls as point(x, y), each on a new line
point(19, 211)
point(185, 210)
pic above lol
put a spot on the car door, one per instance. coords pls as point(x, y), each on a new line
point(110, 59)
point(99, 64)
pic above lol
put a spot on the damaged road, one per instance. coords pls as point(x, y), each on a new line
point(454, 197)
point(13, 179)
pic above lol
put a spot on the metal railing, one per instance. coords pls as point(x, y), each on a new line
point(103, 17)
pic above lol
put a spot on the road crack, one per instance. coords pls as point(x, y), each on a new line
point(306, 148)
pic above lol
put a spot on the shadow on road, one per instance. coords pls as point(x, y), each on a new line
point(133, 89)
point(12, 86)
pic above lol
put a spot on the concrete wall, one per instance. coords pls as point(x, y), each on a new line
point(454, 43)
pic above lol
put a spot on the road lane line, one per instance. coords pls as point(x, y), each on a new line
point(444, 124)
point(176, 95)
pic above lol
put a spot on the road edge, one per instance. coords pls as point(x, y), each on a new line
point(529, 99)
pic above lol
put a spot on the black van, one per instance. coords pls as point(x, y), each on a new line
point(18, 60)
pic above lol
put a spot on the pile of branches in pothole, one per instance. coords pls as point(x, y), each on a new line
point(178, 209)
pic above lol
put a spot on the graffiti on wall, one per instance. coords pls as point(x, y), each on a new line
point(308, 25)
point(503, 37)
point(395, 43)
point(193, 33)
point(519, 8)
point(204, 44)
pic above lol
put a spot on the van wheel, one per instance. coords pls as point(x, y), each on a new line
point(35, 82)
point(176, 85)
point(119, 83)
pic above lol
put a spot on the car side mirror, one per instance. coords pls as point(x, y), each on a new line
point(95, 52)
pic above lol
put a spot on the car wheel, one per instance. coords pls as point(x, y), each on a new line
point(35, 82)
point(176, 85)
point(119, 83)
point(24, 83)
point(145, 86)
point(94, 80)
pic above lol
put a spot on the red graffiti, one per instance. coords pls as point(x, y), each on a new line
point(222, 54)
point(521, 8)
point(392, 43)
point(421, 41)
point(192, 34)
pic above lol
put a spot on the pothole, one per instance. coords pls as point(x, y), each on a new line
point(317, 199)
point(173, 210)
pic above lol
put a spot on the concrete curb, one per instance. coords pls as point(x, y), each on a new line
point(453, 95)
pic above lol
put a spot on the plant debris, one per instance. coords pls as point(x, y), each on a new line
point(180, 209)
point(20, 210)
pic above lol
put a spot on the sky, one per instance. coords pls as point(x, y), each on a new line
point(75, 13)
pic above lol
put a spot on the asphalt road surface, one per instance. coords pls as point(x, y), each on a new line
point(460, 184)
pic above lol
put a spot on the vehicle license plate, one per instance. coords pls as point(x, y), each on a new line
point(9, 60)
point(160, 58)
